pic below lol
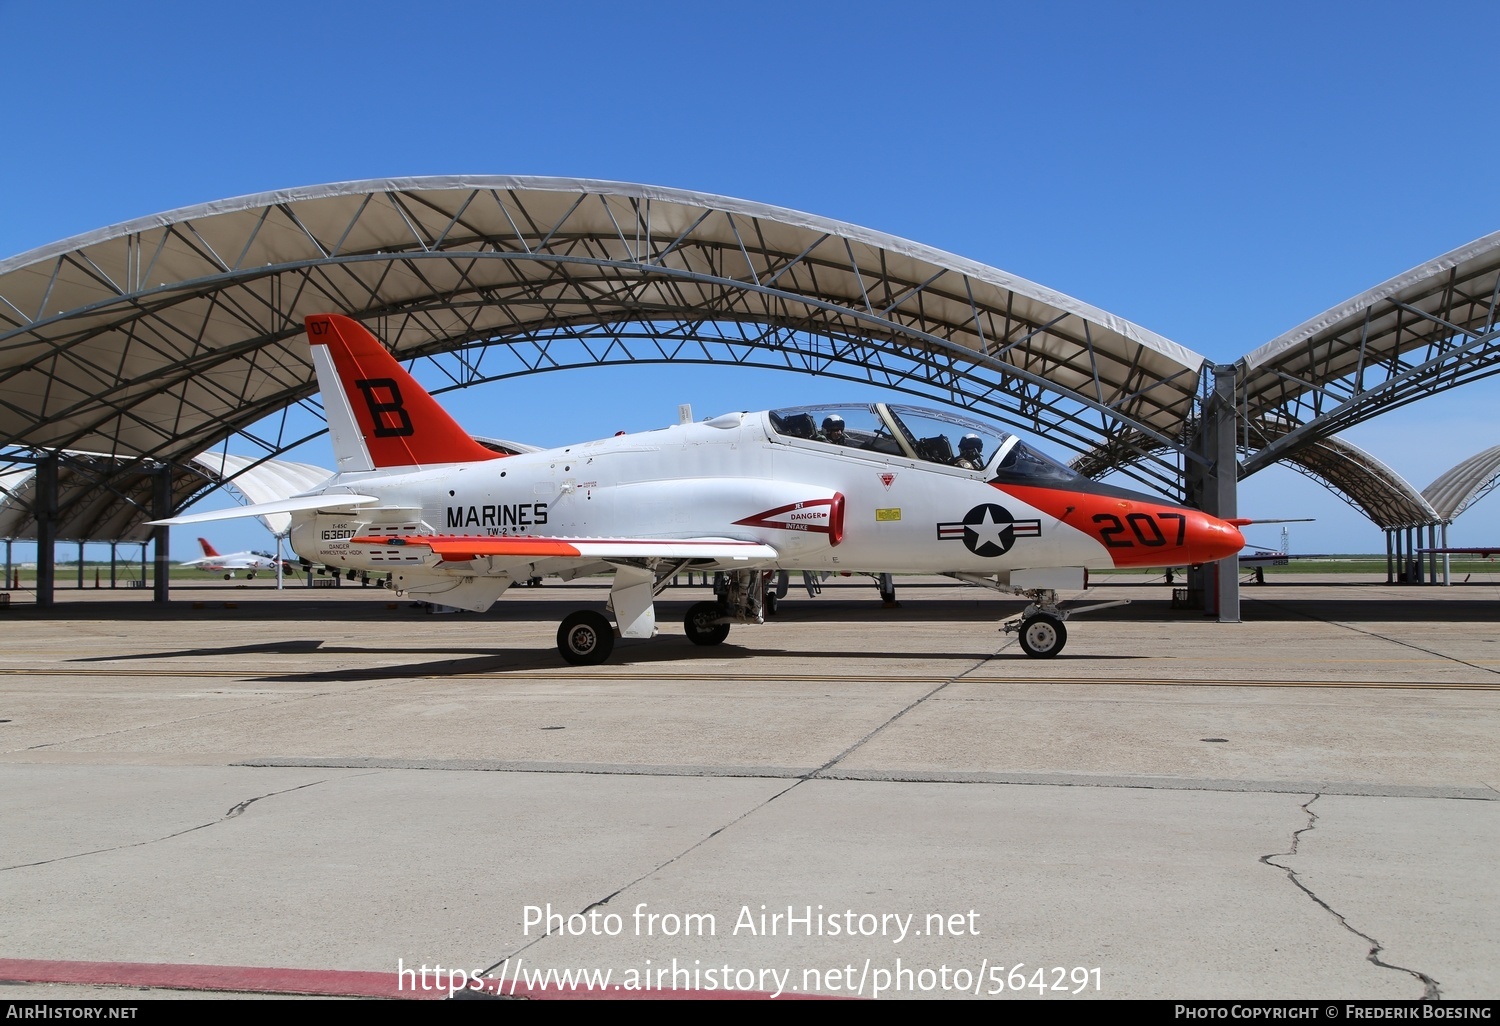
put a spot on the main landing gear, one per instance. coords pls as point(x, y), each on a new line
point(742, 598)
point(704, 624)
point(587, 637)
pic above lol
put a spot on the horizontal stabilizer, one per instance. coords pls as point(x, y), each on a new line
point(260, 509)
point(462, 548)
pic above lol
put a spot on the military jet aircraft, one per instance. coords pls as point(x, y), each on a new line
point(227, 564)
point(873, 487)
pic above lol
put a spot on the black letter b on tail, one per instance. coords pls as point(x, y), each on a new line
point(388, 414)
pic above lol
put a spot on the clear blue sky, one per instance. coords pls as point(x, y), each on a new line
point(1217, 173)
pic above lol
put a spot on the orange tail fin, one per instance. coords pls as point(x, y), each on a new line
point(378, 416)
point(208, 550)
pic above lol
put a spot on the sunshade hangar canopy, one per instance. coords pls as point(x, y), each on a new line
point(158, 338)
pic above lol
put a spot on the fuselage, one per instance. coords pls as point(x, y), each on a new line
point(884, 505)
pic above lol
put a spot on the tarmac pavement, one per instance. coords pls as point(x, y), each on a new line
point(849, 800)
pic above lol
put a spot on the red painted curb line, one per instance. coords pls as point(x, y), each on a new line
point(318, 982)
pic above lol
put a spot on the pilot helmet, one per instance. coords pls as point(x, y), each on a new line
point(833, 424)
point(970, 446)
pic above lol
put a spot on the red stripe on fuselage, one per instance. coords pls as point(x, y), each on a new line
point(1136, 531)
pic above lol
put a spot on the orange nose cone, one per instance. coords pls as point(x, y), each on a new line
point(1212, 538)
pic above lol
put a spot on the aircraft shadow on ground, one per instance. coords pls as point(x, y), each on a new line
point(680, 657)
point(290, 647)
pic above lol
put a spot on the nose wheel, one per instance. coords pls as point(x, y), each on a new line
point(1043, 636)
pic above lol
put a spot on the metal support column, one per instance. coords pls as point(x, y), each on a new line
point(161, 509)
point(1447, 559)
point(1390, 556)
point(1224, 481)
point(1199, 585)
point(46, 530)
point(1431, 556)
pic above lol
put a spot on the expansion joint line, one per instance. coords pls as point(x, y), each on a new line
point(810, 775)
point(234, 811)
point(1382, 637)
point(1430, 991)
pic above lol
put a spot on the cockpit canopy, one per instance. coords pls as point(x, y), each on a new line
point(932, 436)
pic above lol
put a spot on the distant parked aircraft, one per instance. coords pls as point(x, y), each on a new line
point(216, 562)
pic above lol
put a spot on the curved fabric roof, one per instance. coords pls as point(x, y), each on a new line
point(1424, 331)
point(1364, 482)
point(1355, 476)
point(1464, 485)
point(101, 500)
point(264, 481)
point(156, 339)
point(159, 337)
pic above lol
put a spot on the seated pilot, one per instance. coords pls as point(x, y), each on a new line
point(833, 430)
point(970, 453)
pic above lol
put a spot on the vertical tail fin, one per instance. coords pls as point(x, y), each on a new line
point(208, 550)
point(378, 416)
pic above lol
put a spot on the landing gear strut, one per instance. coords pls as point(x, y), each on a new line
point(587, 637)
point(742, 598)
point(1040, 625)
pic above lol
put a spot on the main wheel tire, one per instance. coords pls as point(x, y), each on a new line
point(700, 626)
point(1043, 636)
point(769, 606)
point(585, 638)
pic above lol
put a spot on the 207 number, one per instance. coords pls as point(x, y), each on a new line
point(1143, 525)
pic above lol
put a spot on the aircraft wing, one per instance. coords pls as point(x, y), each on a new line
point(331, 500)
point(462, 548)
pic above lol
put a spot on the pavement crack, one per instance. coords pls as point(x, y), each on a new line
point(234, 812)
point(650, 872)
point(1430, 987)
point(811, 774)
point(898, 715)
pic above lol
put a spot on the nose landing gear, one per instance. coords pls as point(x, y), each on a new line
point(1042, 636)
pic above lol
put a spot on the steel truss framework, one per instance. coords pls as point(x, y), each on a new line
point(99, 498)
point(1459, 488)
point(153, 341)
point(158, 339)
point(1355, 476)
point(1423, 332)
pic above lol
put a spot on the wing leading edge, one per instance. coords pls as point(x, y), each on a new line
point(463, 548)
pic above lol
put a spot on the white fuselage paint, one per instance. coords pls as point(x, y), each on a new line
point(694, 481)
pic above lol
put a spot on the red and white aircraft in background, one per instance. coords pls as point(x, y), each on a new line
point(744, 493)
point(216, 562)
